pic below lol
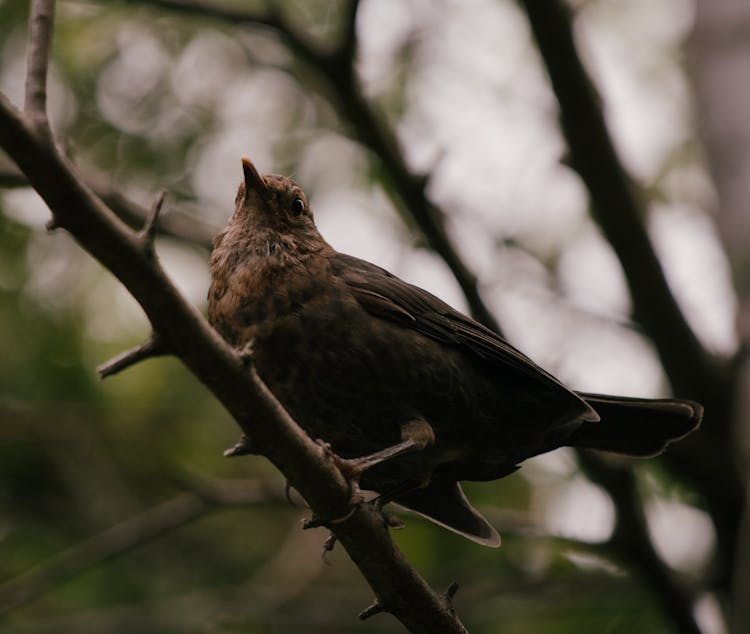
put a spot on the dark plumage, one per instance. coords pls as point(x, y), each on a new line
point(365, 361)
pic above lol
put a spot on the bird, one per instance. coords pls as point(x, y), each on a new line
point(411, 396)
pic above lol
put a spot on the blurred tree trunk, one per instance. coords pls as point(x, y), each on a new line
point(719, 59)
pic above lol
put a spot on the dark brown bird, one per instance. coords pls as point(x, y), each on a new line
point(380, 368)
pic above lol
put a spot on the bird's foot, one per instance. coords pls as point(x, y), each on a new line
point(352, 470)
point(415, 435)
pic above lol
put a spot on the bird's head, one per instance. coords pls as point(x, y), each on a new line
point(271, 202)
point(272, 217)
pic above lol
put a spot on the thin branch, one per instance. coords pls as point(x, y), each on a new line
point(631, 542)
point(12, 179)
point(132, 533)
point(150, 348)
point(337, 68)
point(41, 23)
point(175, 223)
point(371, 610)
point(187, 335)
point(148, 233)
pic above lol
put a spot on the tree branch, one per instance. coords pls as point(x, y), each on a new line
point(718, 52)
point(707, 459)
point(631, 542)
point(41, 22)
point(176, 223)
point(129, 534)
point(186, 334)
point(150, 348)
point(615, 206)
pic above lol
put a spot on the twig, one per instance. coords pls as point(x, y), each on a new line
point(40, 40)
point(450, 593)
point(179, 224)
point(11, 179)
point(148, 233)
point(150, 348)
point(371, 610)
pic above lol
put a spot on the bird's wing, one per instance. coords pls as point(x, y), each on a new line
point(384, 295)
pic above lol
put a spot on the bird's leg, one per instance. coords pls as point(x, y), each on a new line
point(416, 435)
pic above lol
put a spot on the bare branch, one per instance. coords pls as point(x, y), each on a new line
point(187, 335)
point(150, 348)
point(40, 40)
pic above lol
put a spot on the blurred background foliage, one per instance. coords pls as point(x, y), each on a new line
point(144, 97)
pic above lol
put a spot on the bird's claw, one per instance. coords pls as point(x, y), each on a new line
point(356, 497)
point(352, 470)
point(317, 522)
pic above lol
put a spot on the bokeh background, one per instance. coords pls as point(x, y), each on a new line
point(117, 510)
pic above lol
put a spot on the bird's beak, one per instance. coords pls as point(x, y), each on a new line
point(253, 181)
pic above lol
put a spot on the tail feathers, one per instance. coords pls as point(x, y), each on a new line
point(636, 427)
point(445, 504)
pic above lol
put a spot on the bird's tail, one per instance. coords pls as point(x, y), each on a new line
point(636, 426)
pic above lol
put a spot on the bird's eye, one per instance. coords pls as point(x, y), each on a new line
point(298, 207)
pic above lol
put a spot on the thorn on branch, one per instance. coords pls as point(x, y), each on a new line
point(147, 235)
point(52, 224)
point(244, 447)
point(449, 594)
point(328, 546)
point(246, 353)
point(288, 492)
point(152, 347)
point(313, 522)
point(372, 610)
